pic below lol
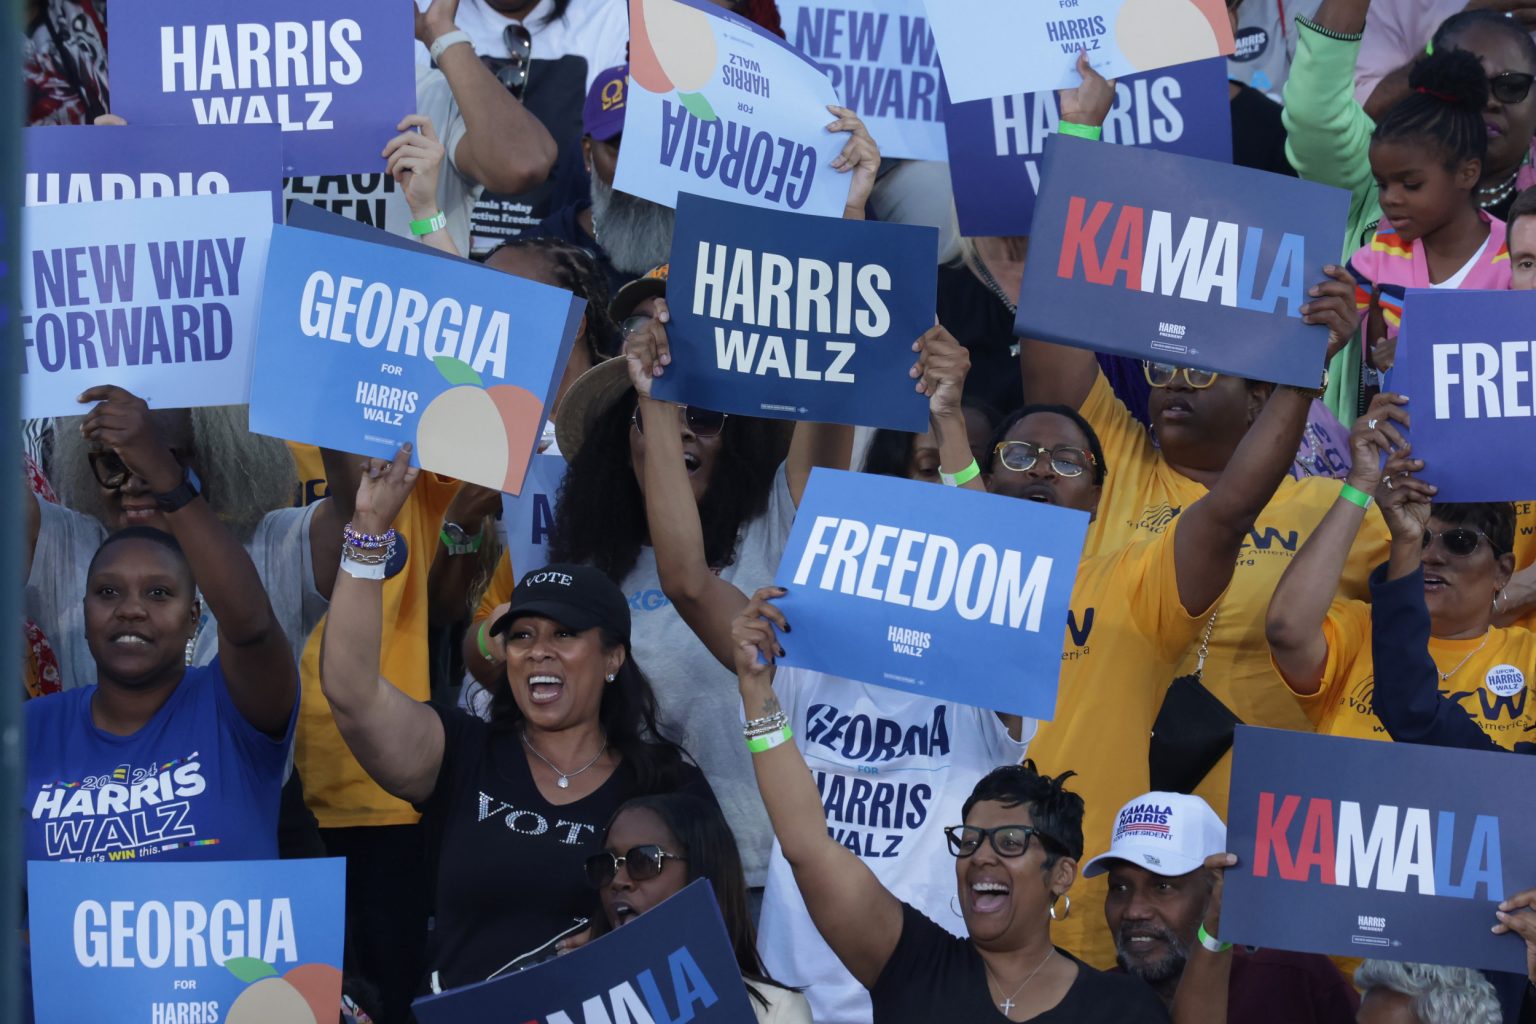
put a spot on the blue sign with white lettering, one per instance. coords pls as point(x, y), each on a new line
point(529, 518)
point(87, 164)
point(672, 963)
point(950, 593)
point(1164, 257)
point(335, 77)
point(241, 942)
point(995, 145)
point(1466, 361)
point(1392, 851)
point(882, 57)
point(793, 317)
point(364, 347)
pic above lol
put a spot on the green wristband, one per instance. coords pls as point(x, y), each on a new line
point(1210, 941)
point(1355, 496)
point(1091, 132)
point(436, 222)
point(759, 744)
point(961, 478)
point(485, 650)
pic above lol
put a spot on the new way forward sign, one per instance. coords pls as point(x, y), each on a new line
point(881, 56)
point(672, 963)
point(1467, 361)
point(1387, 850)
point(365, 347)
point(158, 296)
point(951, 593)
point(87, 164)
point(721, 108)
point(995, 145)
point(1164, 257)
point(336, 77)
point(991, 49)
point(792, 317)
point(241, 942)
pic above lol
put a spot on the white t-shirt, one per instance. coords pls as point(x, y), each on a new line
point(893, 770)
point(595, 30)
point(375, 199)
point(1454, 281)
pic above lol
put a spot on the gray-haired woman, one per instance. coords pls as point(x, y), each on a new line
point(1398, 993)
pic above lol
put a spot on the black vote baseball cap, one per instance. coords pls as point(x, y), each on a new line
point(578, 597)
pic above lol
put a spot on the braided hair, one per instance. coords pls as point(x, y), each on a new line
point(577, 272)
point(1450, 90)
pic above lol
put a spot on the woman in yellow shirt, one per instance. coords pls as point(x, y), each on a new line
point(1322, 646)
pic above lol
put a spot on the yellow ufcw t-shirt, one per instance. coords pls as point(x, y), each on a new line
point(1490, 676)
point(1126, 633)
point(1525, 549)
point(336, 788)
point(1142, 495)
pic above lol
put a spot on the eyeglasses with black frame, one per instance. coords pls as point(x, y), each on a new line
point(1460, 541)
point(702, 422)
point(1160, 375)
point(1064, 460)
point(1510, 86)
point(112, 472)
point(643, 862)
point(1008, 840)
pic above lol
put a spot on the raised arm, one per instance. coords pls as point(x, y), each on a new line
point(1201, 997)
point(1207, 542)
point(1328, 135)
point(854, 913)
point(342, 473)
point(398, 741)
point(259, 666)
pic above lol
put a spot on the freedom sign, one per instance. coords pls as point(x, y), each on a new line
point(1392, 851)
point(673, 963)
point(336, 77)
point(1467, 361)
point(881, 56)
point(366, 347)
point(721, 108)
point(995, 145)
point(991, 49)
point(791, 317)
point(876, 595)
point(529, 518)
point(87, 164)
point(1156, 256)
point(242, 942)
point(158, 296)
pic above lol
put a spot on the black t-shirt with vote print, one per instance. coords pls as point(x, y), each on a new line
point(508, 862)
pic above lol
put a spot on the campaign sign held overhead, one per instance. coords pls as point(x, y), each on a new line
point(992, 49)
point(366, 347)
point(1164, 257)
point(1393, 851)
point(335, 77)
point(87, 164)
point(881, 56)
point(529, 518)
point(158, 296)
point(1467, 362)
point(671, 964)
point(791, 317)
point(239, 942)
point(719, 107)
point(929, 589)
point(995, 145)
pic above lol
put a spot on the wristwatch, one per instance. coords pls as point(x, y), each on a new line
point(1313, 393)
point(178, 496)
point(459, 541)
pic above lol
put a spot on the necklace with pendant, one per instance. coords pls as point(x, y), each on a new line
point(992, 285)
point(1445, 677)
point(1008, 1004)
point(564, 781)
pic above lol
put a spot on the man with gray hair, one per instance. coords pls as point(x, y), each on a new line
point(1398, 993)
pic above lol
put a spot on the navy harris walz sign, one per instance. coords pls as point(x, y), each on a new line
point(1156, 256)
point(797, 317)
point(1365, 848)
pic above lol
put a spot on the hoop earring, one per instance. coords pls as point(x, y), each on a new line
point(953, 909)
point(1066, 910)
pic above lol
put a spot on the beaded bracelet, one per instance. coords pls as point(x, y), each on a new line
point(357, 539)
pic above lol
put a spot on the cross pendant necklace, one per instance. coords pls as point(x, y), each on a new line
point(1008, 1004)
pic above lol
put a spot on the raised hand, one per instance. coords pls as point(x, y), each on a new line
point(383, 490)
point(647, 350)
point(1090, 102)
point(414, 158)
point(1333, 304)
point(121, 421)
point(940, 370)
point(1375, 435)
point(860, 155)
point(752, 634)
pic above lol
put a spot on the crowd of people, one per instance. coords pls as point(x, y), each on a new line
point(515, 759)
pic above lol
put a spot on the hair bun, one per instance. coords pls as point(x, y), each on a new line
point(1451, 76)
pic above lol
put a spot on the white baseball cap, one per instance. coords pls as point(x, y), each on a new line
point(1168, 834)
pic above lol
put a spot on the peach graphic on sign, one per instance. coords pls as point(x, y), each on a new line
point(1157, 33)
point(308, 994)
point(672, 47)
point(473, 432)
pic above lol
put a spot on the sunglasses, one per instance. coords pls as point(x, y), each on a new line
point(1007, 840)
point(1510, 86)
point(1021, 456)
point(1160, 375)
point(701, 422)
point(112, 473)
point(512, 71)
point(643, 862)
point(1460, 541)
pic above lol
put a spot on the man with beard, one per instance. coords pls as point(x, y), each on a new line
point(626, 234)
point(1158, 889)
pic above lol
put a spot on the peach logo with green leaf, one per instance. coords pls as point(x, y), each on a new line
point(481, 434)
point(307, 994)
point(672, 48)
